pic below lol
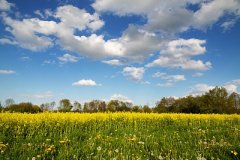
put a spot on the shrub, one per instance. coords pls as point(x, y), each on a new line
point(24, 108)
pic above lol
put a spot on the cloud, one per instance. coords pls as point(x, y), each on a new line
point(49, 62)
point(134, 44)
point(229, 24)
point(68, 58)
point(30, 33)
point(167, 84)
point(137, 42)
point(5, 6)
point(7, 41)
point(7, 72)
point(44, 95)
point(45, 14)
point(178, 54)
point(34, 34)
point(211, 12)
point(172, 16)
point(199, 89)
point(25, 58)
point(114, 62)
point(120, 97)
point(231, 88)
point(146, 82)
point(133, 73)
point(198, 74)
point(83, 20)
point(83, 82)
point(234, 82)
point(169, 78)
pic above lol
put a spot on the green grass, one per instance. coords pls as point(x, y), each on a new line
point(120, 138)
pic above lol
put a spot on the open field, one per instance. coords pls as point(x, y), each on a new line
point(119, 136)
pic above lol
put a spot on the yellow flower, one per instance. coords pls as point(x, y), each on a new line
point(234, 152)
point(132, 139)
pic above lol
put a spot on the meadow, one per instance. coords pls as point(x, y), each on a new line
point(119, 136)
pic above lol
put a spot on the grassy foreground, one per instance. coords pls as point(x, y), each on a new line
point(119, 136)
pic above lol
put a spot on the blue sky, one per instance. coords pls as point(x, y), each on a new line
point(137, 51)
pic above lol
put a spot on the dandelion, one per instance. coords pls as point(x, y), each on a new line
point(99, 148)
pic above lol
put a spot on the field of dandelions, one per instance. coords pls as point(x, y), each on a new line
point(119, 136)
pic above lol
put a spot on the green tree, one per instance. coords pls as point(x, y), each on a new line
point(216, 100)
point(9, 102)
point(136, 108)
point(24, 108)
point(1, 108)
point(112, 105)
point(65, 105)
point(95, 106)
point(164, 105)
point(77, 107)
point(188, 104)
point(102, 107)
point(234, 102)
point(147, 109)
point(52, 105)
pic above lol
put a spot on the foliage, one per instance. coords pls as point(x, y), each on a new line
point(1, 108)
point(118, 106)
point(119, 136)
point(146, 109)
point(94, 106)
point(9, 102)
point(77, 107)
point(23, 108)
point(216, 100)
point(65, 105)
point(47, 106)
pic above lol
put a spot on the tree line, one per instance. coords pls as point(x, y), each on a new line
point(216, 100)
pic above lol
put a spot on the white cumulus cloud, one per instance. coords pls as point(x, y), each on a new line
point(231, 88)
point(133, 73)
point(172, 16)
point(178, 54)
point(85, 82)
point(5, 5)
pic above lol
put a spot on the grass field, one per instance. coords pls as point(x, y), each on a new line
point(119, 136)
